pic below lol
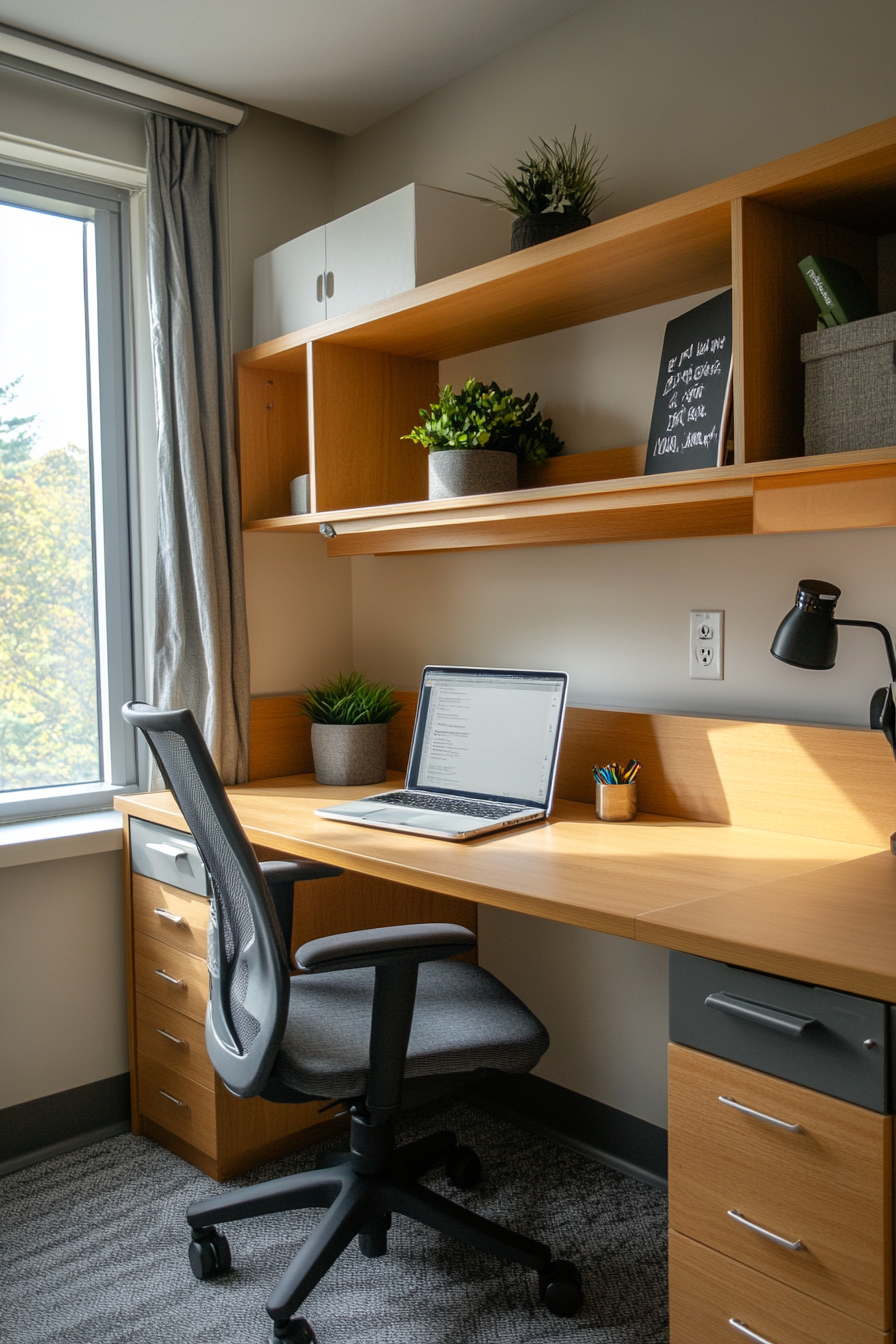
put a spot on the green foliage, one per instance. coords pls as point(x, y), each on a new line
point(487, 417)
point(552, 179)
point(16, 441)
point(350, 699)
point(48, 691)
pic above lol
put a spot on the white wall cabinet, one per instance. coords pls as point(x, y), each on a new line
point(407, 238)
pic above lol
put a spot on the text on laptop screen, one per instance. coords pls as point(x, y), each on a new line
point(492, 736)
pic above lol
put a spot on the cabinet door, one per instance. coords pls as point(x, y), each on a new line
point(371, 253)
point(285, 287)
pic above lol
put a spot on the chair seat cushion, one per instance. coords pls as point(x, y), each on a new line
point(464, 1019)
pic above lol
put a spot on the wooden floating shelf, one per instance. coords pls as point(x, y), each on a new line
point(817, 494)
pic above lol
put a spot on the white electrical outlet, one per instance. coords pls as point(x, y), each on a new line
point(707, 646)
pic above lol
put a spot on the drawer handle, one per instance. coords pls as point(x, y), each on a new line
point(764, 1232)
point(760, 1115)
point(745, 1330)
point(170, 851)
point(171, 979)
point(167, 914)
point(168, 1097)
point(169, 1037)
point(791, 1024)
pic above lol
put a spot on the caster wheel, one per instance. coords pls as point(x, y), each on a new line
point(463, 1168)
point(209, 1253)
point(560, 1288)
point(296, 1331)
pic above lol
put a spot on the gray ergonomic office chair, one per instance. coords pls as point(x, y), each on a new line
point(381, 1019)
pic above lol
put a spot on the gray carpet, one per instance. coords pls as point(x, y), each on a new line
point(93, 1251)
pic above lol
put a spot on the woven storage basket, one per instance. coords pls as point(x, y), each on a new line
point(851, 386)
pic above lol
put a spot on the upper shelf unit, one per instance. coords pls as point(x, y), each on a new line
point(334, 399)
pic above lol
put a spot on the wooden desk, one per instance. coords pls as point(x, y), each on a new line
point(802, 907)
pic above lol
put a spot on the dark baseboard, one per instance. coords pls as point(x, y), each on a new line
point(47, 1126)
point(632, 1146)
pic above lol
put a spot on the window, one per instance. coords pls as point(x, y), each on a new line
point(66, 642)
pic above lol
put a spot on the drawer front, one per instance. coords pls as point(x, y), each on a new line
point(168, 856)
point(707, 1292)
point(824, 1187)
point(178, 1103)
point(170, 915)
point(173, 978)
point(174, 1040)
point(809, 1035)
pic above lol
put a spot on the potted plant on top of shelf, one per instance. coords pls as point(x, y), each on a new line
point(477, 436)
point(349, 718)
point(553, 191)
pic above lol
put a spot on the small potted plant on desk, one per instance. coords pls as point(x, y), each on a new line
point(349, 719)
point(553, 191)
point(477, 436)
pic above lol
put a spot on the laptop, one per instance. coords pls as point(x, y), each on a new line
point(483, 756)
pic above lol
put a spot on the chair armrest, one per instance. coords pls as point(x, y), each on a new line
point(280, 876)
point(409, 943)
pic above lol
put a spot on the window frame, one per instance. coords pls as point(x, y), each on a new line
point(114, 494)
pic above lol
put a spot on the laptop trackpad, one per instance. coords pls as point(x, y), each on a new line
point(440, 821)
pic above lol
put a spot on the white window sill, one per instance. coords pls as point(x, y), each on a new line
point(59, 837)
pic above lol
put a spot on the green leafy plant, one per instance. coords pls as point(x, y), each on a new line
point(480, 416)
point(350, 699)
point(552, 179)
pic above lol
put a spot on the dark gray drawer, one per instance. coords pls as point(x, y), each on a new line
point(168, 856)
point(809, 1035)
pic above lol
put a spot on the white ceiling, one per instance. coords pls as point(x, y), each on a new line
point(340, 64)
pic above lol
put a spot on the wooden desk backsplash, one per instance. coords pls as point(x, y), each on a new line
point(833, 783)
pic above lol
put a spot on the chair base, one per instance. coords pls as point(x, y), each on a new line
point(360, 1205)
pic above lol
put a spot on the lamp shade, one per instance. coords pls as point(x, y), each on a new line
point(807, 636)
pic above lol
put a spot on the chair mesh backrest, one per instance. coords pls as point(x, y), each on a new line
point(248, 967)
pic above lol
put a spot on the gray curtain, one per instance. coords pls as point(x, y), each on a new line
point(201, 653)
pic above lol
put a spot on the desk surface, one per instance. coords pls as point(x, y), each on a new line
point(811, 909)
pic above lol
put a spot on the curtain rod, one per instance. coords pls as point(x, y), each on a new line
point(20, 50)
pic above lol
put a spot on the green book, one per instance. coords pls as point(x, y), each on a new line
point(838, 289)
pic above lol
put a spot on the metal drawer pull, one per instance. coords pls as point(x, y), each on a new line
point(168, 1097)
point(760, 1115)
point(171, 980)
point(169, 1037)
point(170, 851)
point(791, 1024)
point(166, 914)
point(764, 1232)
point(745, 1330)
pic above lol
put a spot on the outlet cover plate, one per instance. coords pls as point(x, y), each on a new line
point(707, 646)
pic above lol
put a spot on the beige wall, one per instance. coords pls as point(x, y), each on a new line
point(676, 95)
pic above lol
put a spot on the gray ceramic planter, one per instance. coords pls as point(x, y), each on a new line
point(349, 753)
point(470, 471)
point(530, 230)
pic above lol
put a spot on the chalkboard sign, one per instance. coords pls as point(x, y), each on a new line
point(693, 391)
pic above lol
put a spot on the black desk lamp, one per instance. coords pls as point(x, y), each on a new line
point(807, 637)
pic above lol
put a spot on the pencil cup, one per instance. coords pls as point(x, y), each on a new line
point(617, 802)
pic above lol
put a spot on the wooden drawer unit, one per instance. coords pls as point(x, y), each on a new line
point(173, 1040)
point(177, 1103)
point(174, 978)
point(170, 915)
point(810, 1173)
point(715, 1300)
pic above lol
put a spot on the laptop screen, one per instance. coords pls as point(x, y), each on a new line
point(488, 733)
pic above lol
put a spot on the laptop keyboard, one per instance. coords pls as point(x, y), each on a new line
point(433, 803)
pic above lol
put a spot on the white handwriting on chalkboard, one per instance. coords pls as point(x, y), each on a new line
point(666, 445)
point(691, 394)
point(709, 347)
point(676, 418)
point(697, 440)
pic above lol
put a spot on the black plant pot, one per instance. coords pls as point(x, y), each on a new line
point(531, 229)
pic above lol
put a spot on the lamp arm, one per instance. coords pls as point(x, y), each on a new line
point(885, 635)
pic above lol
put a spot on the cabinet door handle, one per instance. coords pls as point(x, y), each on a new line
point(760, 1115)
point(791, 1024)
point(745, 1330)
point(764, 1232)
point(170, 851)
point(168, 1097)
point(171, 979)
point(320, 289)
point(331, 284)
point(169, 1037)
point(167, 914)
